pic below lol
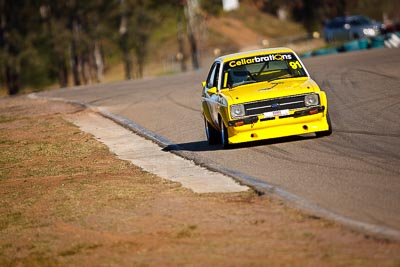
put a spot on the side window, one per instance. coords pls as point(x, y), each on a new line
point(212, 79)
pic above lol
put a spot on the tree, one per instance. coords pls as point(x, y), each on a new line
point(311, 13)
point(181, 56)
point(95, 27)
point(44, 41)
point(124, 38)
point(143, 23)
point(192, 24)
point(16, 41)
point(136, 24)
point(56, 35)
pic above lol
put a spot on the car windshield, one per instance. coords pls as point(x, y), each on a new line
point(263, 68)
point(336, 23)
point(359, 21)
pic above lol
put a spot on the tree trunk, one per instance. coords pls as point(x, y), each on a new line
point(12, 80)
point(75, 57)
point(75, 64)
point(190, 16)
point(98, 59)
point(181, 53)
point(124, 42)
point(128, 63)
point(140, 64)
point(193, 49)
point(63, 74)
point(85, 68)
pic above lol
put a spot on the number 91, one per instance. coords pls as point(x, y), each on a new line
point(295, 64)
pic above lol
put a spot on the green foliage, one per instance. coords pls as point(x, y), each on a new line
point(211, 6)
point(140, 25)
point(45, 41)
point(36, 67)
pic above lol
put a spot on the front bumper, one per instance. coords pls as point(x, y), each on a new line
point(254, 128)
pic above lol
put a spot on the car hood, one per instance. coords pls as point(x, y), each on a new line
point(273, 89)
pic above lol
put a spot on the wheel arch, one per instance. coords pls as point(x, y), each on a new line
point(207, 115)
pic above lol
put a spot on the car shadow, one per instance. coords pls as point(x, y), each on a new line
point(199, 146)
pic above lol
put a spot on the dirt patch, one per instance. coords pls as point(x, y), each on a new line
point(236, 31)
point(66, 200)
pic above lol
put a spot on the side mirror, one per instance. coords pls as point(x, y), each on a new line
point(212, 91)
point(203, 84)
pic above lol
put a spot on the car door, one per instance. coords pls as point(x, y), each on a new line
point(212, 99)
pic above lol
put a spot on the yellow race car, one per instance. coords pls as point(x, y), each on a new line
point(262, 94)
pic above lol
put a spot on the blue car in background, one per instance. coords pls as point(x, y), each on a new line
point(351, 27)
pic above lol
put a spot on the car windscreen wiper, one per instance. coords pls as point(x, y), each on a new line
point(283, 77)
point(243, 83)
point(279, 78)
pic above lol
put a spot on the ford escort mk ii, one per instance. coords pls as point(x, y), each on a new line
point(262, 94)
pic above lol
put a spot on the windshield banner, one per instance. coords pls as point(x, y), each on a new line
point(259, 59)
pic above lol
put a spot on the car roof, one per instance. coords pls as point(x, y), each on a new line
point(251, 53)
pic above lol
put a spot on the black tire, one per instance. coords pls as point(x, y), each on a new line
point(224, 135)
point(213, 136)
point(329, 131)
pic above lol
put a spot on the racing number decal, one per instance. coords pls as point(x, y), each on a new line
point(295, 64)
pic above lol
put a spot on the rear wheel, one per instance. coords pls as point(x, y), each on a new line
point(329, 131)
point(213, 136)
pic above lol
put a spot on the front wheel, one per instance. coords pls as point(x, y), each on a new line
point(224, 135)
point(329, 131)
point(213, 136)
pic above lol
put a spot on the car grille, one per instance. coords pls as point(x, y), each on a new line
point(259, 107)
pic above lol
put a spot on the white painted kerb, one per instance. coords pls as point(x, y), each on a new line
point(150, 157)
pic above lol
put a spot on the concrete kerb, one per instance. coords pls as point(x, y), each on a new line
point(260, 187)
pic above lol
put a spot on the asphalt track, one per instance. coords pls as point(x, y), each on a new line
point(354, 173)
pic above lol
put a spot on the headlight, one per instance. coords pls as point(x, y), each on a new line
point(369, 31)
point(237, 111)
point(311, 100)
